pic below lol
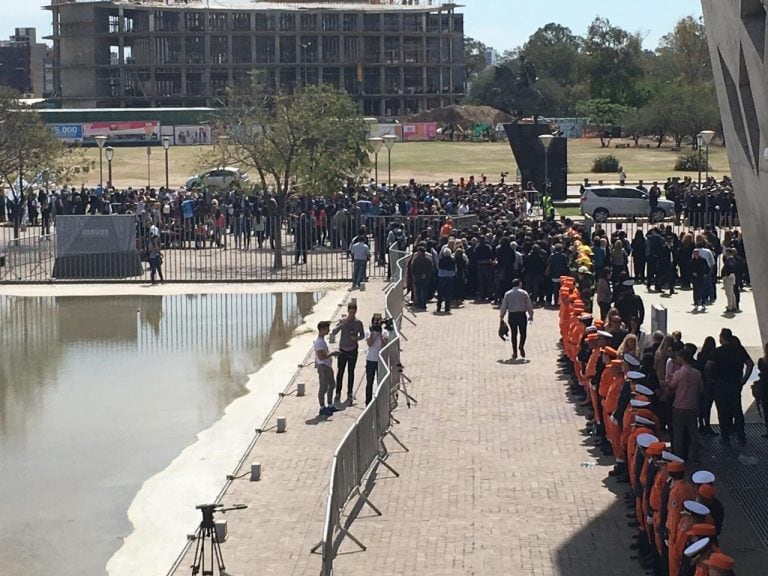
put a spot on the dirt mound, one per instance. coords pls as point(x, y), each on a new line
point(464, 116)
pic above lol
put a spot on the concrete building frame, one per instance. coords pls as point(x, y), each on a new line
point(396, 58)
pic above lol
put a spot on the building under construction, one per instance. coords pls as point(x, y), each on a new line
point(395, 56)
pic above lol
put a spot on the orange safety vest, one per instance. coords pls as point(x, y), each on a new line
point(679, 492)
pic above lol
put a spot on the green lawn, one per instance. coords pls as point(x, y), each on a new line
point(424, 161)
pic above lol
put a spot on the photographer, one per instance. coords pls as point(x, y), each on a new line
point(376, 337)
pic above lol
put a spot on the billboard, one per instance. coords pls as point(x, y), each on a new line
point(95, 234)
point(379, 130)
point(69, 133)
point(123, 131)
point(424, 132)
point(192, 135)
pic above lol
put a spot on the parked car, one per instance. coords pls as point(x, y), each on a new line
point(216, 178)
point(603, 202)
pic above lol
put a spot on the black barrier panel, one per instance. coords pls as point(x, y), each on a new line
point(95, 234)
point(530, 156)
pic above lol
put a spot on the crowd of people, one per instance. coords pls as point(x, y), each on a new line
point(640, 388)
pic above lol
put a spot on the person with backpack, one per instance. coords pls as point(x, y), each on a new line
point(446, 272)
point(396, 236)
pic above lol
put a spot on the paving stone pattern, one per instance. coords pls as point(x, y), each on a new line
point(499, 479)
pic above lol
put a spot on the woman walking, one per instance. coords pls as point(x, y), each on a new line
point(155, 259)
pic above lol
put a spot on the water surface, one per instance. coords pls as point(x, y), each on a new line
point(97, 394)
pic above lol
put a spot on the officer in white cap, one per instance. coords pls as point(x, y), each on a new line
point(694, 513)
point(703, 477)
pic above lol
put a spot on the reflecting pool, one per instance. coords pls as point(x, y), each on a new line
point(98, 394)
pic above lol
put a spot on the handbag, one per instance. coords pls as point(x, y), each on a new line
point(503, 331)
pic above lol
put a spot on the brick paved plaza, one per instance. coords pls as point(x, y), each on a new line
point(499, 478)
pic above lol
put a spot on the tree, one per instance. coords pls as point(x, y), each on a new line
point(612, 62)
point(683, 54)
point(554, 49)
point(312, 142)
point(475, 58)
point(604, 115)
point(27, 147)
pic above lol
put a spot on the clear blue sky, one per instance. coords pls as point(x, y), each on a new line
point(503, 24)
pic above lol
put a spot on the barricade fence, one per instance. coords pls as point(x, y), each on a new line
point(363, 446)
point(237, 249)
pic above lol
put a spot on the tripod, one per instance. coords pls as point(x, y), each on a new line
point(207, 538)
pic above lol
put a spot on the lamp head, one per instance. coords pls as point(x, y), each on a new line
point(389, 140)
point(110, 153)
point(376, 143)
point(166, 142)
point(706, 136)
point(546, 140)
point(100, 140)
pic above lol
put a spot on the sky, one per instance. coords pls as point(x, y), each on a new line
point(502, 24)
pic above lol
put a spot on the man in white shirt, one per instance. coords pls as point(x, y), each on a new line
point(360, 253)
point(517, 304)
point(324, 365)
point(376, 337)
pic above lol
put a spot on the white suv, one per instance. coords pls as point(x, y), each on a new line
point(216, 178)
point(603, 202)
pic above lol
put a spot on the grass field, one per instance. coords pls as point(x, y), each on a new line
point(424, 161)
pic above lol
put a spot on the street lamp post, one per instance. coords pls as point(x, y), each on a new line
point(546, 140)
point(149, 169)
point(376, 144)
point(166, 146)
point(109, 152)
point(703, 139)
point(100, 141)
point(304, 48)
point(389, 142)
point(223, 140)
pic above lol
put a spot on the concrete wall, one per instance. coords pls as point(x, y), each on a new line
point(736, 32)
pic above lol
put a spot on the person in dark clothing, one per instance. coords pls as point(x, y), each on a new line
point(533, 275)
point(483, 257)
point(629, 304)
point(760, 390)
point(639, 255)
point(557, 266)
point(729, 369)
point(707, 397)
point(700, 275)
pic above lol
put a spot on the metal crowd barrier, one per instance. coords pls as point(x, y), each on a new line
point(363, 445)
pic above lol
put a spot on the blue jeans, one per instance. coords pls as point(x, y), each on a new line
point(444, 292)
point(421, 293)
point(358, 272)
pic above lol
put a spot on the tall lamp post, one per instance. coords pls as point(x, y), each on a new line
point(304, 48)
point(100, 141)
point(703, 139)
point(109, 152)
point(166, 146)
point(223, 140)
point(376, 143)
point(389, 142)
point(149, 169)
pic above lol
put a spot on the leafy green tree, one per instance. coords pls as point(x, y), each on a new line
point(555, 52)
point(612, 63)
point(313, 142)
point(604, 115)
point(683, 54)
point(475, 58)
point(27, 147)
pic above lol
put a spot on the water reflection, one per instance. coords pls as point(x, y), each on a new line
point(98, 394)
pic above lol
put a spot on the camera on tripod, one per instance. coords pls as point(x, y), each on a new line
point(208, 555)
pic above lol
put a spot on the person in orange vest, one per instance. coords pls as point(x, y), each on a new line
point(694, 513)
point(708, 497)
point(720, 565)
point(640, 485)
point(447, 228)
point(654, 506)
point(700, 543)
point(676, 472)
point(680, 490)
